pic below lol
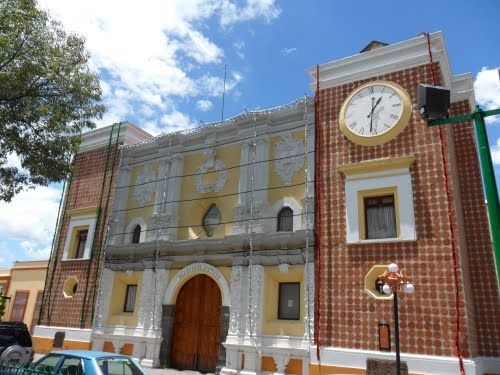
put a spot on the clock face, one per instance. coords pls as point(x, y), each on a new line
point(375, 113)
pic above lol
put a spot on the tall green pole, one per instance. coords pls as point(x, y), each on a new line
point(489, 182)
point(490, 185)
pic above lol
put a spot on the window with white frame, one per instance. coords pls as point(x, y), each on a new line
point(79, 237)
point(379, 200)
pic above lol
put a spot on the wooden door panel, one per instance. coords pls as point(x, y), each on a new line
point(196, 330)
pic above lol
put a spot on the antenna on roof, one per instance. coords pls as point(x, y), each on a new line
point(223, 94)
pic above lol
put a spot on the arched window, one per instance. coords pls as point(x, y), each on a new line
point(136, 236)
point(285, 220)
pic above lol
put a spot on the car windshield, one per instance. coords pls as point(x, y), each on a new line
point(48, 363)
point(118, 366)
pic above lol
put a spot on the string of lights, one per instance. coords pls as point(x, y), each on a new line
point(205, 147)
point(218, 124)
point(201, 225)
point(212, 197)
point(214, 171)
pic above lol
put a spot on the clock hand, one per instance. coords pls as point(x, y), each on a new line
point(374, 106)
point(370, 116)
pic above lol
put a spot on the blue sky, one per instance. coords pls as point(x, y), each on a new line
point(162, 64)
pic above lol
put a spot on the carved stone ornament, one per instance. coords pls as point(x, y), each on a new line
point(211, 220)
point(289, 158)
point(210, 163)
point(145, 187)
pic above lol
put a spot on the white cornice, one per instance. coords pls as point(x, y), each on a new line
point(129, 134)
point(462, 88)
point(394, 57)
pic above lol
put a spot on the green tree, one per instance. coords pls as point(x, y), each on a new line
point(48, 96)
point(2, 306)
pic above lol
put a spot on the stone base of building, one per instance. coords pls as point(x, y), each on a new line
point(74, 339)
point(141, 344)
point(351, 361)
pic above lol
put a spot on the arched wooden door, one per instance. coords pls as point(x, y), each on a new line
point(196, 331)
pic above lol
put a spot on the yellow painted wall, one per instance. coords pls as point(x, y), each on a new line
point(118, 294)
point(296, 192)
point(271, 325)
point(27, 276)
point(192, 212)
point(132, 205)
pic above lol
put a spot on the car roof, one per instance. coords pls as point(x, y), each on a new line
point(89, 354)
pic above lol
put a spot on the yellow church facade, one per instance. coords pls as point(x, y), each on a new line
point(209, 256)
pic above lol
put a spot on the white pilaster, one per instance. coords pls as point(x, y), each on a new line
point(244, 175)
point(145, 311)
point(261, 169)
point(117, 221)
point(309, 302)
point(256, 293)
point(174, 186)
point(104, 297)
point(239, 298)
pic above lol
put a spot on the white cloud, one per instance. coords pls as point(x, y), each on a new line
point(34, 251)
point(204, 105)
point(151, 53)
point(28, 223)
point(288, 51)
point(30, 216)
point(238, 48)
point(487, 90)
point(266, 9)
point(177, 121)
point(495, 152)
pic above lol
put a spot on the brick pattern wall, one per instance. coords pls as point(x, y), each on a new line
point(481, 285)
point(348, 315)
point(84, 191)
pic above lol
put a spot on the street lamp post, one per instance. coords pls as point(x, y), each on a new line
point(394, 281)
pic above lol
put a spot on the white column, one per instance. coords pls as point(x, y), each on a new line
point(255, 290)
point(174, 186)
point(309, 302)
point(244, 173)
point(161, 285)
point(119, 205)
point(238, 308)
point(104, 297)
point(158, 208)
point(146, 304)
point(261, 169)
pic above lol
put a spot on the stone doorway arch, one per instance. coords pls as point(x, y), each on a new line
point(169, 309)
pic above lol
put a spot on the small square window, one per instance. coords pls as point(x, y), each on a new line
point(289, 301)
point(130, 298)
point(380, 217)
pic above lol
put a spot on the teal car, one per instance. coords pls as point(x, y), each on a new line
point(86, 362)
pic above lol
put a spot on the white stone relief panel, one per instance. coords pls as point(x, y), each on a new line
point(309, 301)
point(210, 163)
point(255, 286)
point(289, 158)
point(102, 308)
point(235, 315)
point(145, 185)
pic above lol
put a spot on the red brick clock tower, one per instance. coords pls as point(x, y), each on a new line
point(383, 181)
